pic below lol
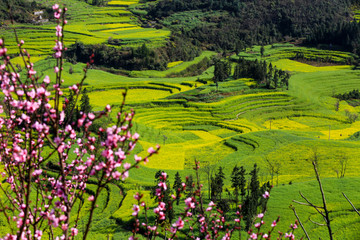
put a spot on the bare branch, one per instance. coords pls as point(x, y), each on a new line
point(302, 226)
point(312, 205)
point(306, 204)
point(351, 204)
point(319, 224)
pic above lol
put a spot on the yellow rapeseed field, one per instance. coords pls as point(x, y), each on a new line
point(122, 2)
point(101, 98)
point(284, 123)
point(291, 65)
point(173, 64)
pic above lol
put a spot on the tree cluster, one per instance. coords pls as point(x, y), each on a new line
point(72, 111)
point(140, 58)
point(344, 34)
point(354, 94)
point(248, 194)
point(21, 11)
point(252, 22)
point(262, 73)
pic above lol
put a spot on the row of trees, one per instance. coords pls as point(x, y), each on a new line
point(133, 58)
point(263, 73)
point(21, 11)
point(344, 34)
point(248, 194)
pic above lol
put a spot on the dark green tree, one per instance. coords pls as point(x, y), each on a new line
point(222, 71)
point(238, 182)
point(190, 186)
point(252, 199)
point(177, 187)
point(85, 106)
point(70, 108)
point(262, 51)
point(165, 197)
point(217, 185)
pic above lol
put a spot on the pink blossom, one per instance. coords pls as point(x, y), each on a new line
point(274, 223)
point(127, 166)
point(137, 158)
point(55, 7)
point(74, 231)
point(91, 116)
point(137, 196)
point(265, 236)
point(266, 194)
point(151, 150)
point(290, 236)
point(253, 236)
point(136, 210)
point(293, 226)
point(179, 223)
point(57, 15)
point(47, 79)
point(162, 185)
point(260, 215)
point(56, 69)
point(37, 172)
point(91, 198)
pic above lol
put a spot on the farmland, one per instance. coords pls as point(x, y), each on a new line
point(236, 124)
point(228, 123)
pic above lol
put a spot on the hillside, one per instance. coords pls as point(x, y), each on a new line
point(224, 83)
point(231, 24)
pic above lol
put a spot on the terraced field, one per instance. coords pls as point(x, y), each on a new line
point(228, 124)
point(88, 24)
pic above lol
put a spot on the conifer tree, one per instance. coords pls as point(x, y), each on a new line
point(189, 186)
point(252, 199)
point(166, 197)
point(177, 187)
point(85, 106)
point(217, 185)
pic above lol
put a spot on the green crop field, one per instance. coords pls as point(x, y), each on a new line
point(88, 24)
point(225, 124)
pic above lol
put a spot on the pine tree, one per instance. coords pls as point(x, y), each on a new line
point(177, 187)
point(85, 106)
point(252, 200)
point(166, 197)
point(242, 183)
point(217, 185)
point(262, 51)
point(235, 180)
point(70, 109)
point(189, 186)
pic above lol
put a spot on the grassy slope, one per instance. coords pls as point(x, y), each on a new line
point(89, 24)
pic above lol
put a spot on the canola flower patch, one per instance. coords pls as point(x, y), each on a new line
point(101, 98)
point(173, 64)
point(285, 124)
point(344, 133)
point(125, 211)
point(172, 157)
point(121, 29)
point(121, 3)
point(294, 66)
